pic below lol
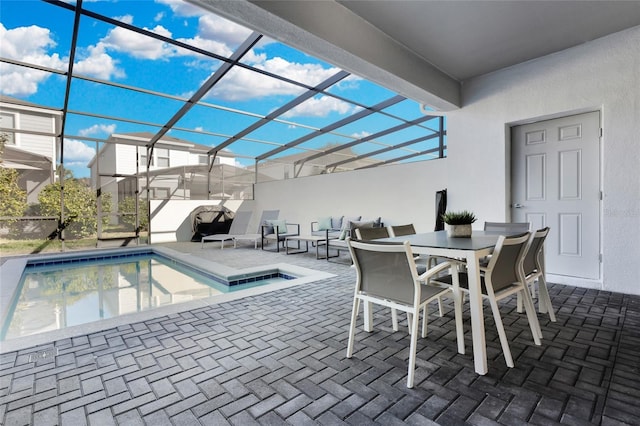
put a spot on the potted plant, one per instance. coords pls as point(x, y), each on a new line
point(459, 223)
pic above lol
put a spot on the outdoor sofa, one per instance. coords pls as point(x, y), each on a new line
point(336, 229)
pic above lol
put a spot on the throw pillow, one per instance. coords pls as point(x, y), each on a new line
point(324, 223)
point(361, 224)
point(267, 227)
point(336, 222)
point(346, 221)
point(343, 234)
point(377, 222)
point(281, 224)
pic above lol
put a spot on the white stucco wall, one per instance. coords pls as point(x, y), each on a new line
point(603, 75)
point(399, 194)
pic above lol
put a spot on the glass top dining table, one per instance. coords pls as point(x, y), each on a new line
point(479, 245)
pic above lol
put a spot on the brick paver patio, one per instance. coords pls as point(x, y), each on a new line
point(279, 358)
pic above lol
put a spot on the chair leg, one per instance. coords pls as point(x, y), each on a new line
point(352, 327)
point(544, 299)
point(536, 331)
point(394, 319)
point(503, 335)
point(519, 303)
point(457, 303)
point(368, 316)
point(412, 349)
point(440, 310)
point(424, 321)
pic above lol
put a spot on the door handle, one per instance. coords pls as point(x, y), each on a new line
point(518, 206)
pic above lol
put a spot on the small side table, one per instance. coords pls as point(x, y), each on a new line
point(306, 238)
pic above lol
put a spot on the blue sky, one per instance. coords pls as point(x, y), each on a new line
point(40, 33)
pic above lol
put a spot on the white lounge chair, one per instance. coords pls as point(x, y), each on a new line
point(238, 227)
point(257, 236)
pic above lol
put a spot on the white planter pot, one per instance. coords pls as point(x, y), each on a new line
point(459, 231)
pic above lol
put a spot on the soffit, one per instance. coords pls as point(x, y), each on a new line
point(466, 39)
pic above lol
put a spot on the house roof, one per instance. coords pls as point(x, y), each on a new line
point(18, 103)
point(143, 138)
point(16, 158)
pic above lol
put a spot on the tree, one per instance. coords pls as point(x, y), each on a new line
point(13, 200)
point(80, 206)
point(128, 205)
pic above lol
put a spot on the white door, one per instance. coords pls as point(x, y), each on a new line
point(555, 168)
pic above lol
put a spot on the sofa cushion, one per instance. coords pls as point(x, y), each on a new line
point(377, 222)
point(346, 221)
point(362, 224)
point(267, 227)
point(325, 223)
point(345, 230)
point(336, 222)
point(281, 224)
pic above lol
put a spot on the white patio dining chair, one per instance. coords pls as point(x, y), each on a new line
point(533, 267)
point(501, 278)
point(429, 261)
point(504, 228)
point(368, 234)
point(239, 226)
point(386, 275)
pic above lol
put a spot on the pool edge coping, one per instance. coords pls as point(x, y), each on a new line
point(12, 270)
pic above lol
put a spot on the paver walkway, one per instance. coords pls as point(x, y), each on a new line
point(279, 358)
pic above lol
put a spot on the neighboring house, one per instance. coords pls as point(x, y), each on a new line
point(177, 168)
point(31, 143)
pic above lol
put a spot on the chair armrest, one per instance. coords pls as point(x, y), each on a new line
point(312, 227)
point(294, 225)
point(433, 271)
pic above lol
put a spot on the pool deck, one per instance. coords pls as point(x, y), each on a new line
point(279, 358)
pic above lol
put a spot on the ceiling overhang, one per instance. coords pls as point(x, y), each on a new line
point(330, 31)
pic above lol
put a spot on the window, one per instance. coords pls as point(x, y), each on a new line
point(163, 157)
point(8, 121)
point(203, 159)
point(161, 193)
point(143, 160)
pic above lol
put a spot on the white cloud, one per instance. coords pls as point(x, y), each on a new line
point(159, 16)
point(212, 46)
point(214, 27)
point(242, 84)
point(138, 45)
point(27, 44)
point(361, 135)
point(98, 128)
point(98, 64)
point(77, 153)
point(182, 8)
point(320, 107)
point(127, 19)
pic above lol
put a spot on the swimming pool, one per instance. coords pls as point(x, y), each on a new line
point(83, 290)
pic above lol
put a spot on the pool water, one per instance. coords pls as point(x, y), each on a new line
point(57, 294)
